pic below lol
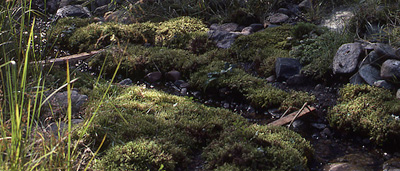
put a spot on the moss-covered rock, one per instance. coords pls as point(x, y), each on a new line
point(165, 130)
point(368, 111)
point(263, 48)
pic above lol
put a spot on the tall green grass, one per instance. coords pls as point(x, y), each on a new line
point(23, 145)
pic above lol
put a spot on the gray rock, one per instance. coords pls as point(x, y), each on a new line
point(392, 165)
point(390, 70)
point(346, 58)
point(126, 81)
point(356, 79)
point(56, 106)
point(305, 4)
point(372, 58)
point(252, 28)
point(398, 93)
point(153, 77)
point(271, 79)
point(229, 27)
point(49, 6)
point(385, 51)
point(342, 167)
point(223, 39)
point(73, 11)
point(120, 16)
point(278, 18)
point(285, 11)
point(384, 84)
point(61, 127)
point(286, 67)
point(173, 75)
point(370, 74)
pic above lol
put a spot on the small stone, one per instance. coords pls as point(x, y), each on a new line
point(384, 84)
point(173, 75)
point(184, 91)
point(398, 94)
point(153, 76)
point(278, 18)
point(319, 87)
point(318, 125)
point(271, 79)
point(73, 11)
point(126, 81)
point(226, 105)
point(306, 4)
point(346, 58)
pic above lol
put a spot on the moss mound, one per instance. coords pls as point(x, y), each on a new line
point(137, 60)
point(220, 74)
point(366, 110)
point(162, 130)
point(258, 148)
point(181, 32)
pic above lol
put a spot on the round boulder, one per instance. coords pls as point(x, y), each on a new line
point(346, 58)
point(390, 70)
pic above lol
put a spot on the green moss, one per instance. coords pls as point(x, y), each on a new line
point(99, 35)
point(140, 154)
point(220, 74)
point(296, 99)
point(137, 60)
point(303, 30)
point(367, 111)
point(64, 29)
point(182, 32)
point(263, 48)
point(159, 128)
point(316, 54)
point(259, 148)
point(177, 32)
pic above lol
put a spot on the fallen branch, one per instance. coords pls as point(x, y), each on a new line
point(70, 58)
point(289, 118)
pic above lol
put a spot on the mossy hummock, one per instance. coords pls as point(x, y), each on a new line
point(369, 111)
point(152, 129)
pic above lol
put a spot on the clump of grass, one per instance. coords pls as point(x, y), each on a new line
point(368, 111)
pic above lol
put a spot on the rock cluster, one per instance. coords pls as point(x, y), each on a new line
point(376, 64)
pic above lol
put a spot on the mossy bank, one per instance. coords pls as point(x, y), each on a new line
point(147, 130)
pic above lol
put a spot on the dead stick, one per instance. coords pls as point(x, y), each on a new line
point(297, 114)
